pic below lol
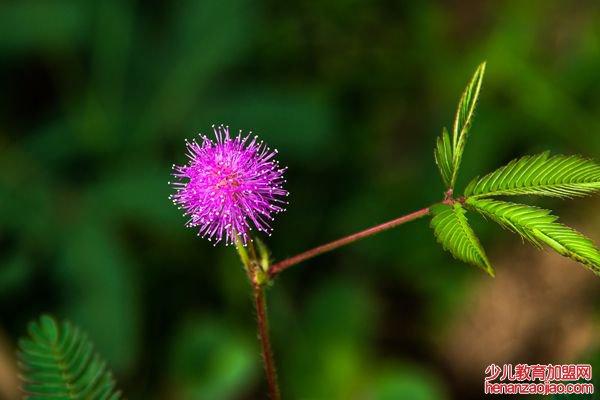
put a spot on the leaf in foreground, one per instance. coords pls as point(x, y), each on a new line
point(449, 150)
point(557, 176)
point(443, 156)
point(454, 233)
point(464, 117)
point(539, 226)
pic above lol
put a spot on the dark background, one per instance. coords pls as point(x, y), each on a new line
point(96, 98)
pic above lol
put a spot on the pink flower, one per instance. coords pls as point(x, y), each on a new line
point(229, 186)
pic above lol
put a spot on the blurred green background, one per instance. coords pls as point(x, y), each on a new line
point(96, 100)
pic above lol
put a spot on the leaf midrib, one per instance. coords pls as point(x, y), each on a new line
point(64, 371)
point(472, 242)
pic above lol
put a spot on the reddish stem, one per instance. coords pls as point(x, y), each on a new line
point(263, 333)
point(280, 266)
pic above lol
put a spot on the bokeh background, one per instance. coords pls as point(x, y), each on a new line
point(97, 97)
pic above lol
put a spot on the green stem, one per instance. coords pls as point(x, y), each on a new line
point(280, 266)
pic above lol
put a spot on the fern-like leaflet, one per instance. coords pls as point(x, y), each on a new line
point(464, 116)
point(58, 362)
point(444, 157)
point(557, 176)
point(448, 154)
point(539, 226)
point(454, 233)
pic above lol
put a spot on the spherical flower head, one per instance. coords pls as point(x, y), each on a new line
point(229, 186)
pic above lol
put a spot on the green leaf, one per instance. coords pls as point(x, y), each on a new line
point(454, 233)
point(448, 154)
point(464, 117)
point(58, 362)
point(540, 226)
point(443, 157)
point(557, 176)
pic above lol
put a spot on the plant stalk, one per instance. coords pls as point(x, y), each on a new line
point(263, 333)
point(280, 266)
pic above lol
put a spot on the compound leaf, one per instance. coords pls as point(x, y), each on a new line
point(557, 176)
point(539, 226)
point(454, 233)
point(59, 362)
point(448, 152)
point(464, 117)
point(444, 157)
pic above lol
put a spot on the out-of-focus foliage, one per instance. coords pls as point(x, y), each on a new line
point(97, 97)
point(59, 362)
point(210, 361)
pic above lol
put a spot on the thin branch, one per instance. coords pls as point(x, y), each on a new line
point(265, 341)
point(280, 266)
